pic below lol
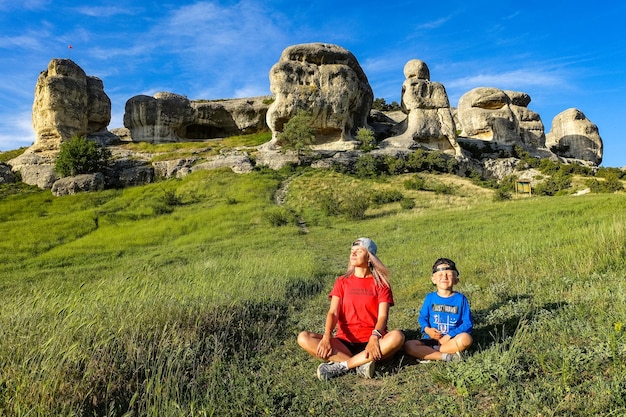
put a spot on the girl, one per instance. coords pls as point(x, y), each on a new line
point(359, 308)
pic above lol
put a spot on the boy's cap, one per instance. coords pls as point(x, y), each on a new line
point(445, 261)
point(367, 243)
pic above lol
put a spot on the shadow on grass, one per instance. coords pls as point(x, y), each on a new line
point(484, 335)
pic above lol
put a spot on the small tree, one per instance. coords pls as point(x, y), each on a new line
point(367, 139)
point(80, 156)
point(298, 134)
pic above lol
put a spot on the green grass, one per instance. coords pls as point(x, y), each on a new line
point(181, 298)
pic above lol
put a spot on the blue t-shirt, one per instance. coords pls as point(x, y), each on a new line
point(449, 315)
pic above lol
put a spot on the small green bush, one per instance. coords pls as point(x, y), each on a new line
point(367, 139)
point(368, 166)
point(501, 195)
point(387, 196)
point(80, 156)
point(415, 183)
point(298, 133)
point(354, 208)
point(280, 216)
point(407, 203)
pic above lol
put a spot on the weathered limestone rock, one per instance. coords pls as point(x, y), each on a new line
point(574, 136)
point(429, 122)
point(485, 113)
point(169, 117)
point(502, 117)
point(157, 119)
point(326, 81)
point(175, 168)
point(531, 127)
point(35, 168)
point(275, 159)
point(78, 183)
point(129, 172)
point(6, 174)
point(67, 103)
point(238, 162)
point(223, 118)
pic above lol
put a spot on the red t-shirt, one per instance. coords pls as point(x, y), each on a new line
point(358, 307)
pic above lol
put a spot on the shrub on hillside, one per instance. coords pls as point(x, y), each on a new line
point(367, 139)
point(280, 216)
point(80, 156)
point(386, 196)
point(298, 133)
point(558, 183)
point(407, 203)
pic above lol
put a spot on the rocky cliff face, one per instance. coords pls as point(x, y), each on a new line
point(169, 117)
point(322, 79)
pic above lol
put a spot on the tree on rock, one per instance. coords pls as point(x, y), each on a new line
point(298, 133)
point(80, 156)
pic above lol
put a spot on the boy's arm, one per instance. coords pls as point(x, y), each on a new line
point(467, 323)
point(424, 316)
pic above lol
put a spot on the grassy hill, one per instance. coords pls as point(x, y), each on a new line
point(184, 297)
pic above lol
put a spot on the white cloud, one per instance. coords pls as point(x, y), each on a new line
point(104, 11)
point(24, 42)
point(507, 80)
point(434, 24)
point(21, 127)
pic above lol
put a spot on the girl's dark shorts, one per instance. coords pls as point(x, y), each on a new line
point(354, 348)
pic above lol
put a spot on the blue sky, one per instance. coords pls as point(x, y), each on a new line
point(562, 53)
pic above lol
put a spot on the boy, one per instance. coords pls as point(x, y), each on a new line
point(445, 318)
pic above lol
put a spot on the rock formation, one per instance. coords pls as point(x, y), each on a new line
point(485, 113)
point(322, 79)
point(503, 118)
point(6, 174)
point(429, 121)
point(78, 183)
point(572, 135)
point(531, 129)
point(326, 81)
point(157, 119)
point(169, 117)
point(67, 103)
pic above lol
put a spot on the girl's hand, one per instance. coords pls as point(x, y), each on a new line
point(372, 350)
point(324, 348)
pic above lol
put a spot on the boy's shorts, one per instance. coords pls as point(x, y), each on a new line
point(429, 342)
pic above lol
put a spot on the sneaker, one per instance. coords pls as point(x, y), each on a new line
point(454, 357)
point(330, 370)
point(424, 360)
point(366, 370)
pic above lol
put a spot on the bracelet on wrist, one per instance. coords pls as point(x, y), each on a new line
point(377, 333)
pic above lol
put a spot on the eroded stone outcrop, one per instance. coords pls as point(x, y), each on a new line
point(572, 135)
point(531, 129)
point(328, 82)
point(429, 122)
point(78, 183)
point(485, 113)
point(169, 117)
point(67, 103)
point(6, 174)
